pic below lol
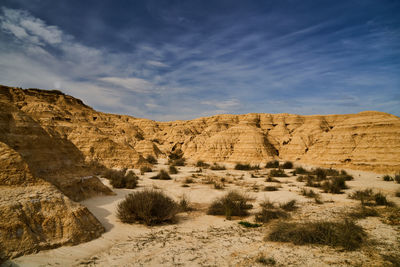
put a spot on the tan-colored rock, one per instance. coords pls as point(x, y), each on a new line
point(34, 215)
point(367, 141)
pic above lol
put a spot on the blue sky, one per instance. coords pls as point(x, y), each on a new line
point(167, 60)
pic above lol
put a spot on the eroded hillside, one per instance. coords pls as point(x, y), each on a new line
point(368, 140)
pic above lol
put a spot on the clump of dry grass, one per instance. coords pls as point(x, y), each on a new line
point(277, 173)
point(344, 233)
point(246, 167)
point(233, 203)
point(145, 169)
point(149, 207)
point(162, 175)
point(272, 164)
point(217, 167)
point(173, 170)
point(121, 178)
point(269, 211)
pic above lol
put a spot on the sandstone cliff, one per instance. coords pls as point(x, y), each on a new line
point(367, 141)
point(34, 214)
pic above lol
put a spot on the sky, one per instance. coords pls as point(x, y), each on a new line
point(170, 60)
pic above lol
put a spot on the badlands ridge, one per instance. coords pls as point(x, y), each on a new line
point(52, 146)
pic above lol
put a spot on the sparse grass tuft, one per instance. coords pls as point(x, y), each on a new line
point(334, 185)
point(368, 197)
point(387, 178)
point(344, 233)
point(311, 194)
point(266, 261)
point(231, 204)
point(173, 170)
point(217, 167)
point(289, 206)
point(363, 212)
point(397, 178)
point(149, 207)
point(272, 164)
point(397, 194)
point(246, 167)
point(121, 178)
point(202, 164)
point(301, 170)
point(176, 162)
point(162, 175)
point(184, 204)
point(249, 224)
point(277, 173)
point(152, 160)
point(269, 213)
point(270, 188)
point(287, 165)
point(271, 179)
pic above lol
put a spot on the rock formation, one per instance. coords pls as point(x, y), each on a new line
point(368, 140)
point(35, 215)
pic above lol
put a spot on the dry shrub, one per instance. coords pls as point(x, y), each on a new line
point(151, 159)
point(272, 164)
point(217, 167)
point(202, 164)
point(277, 173)
point(368, 197)
point(287, 165)
point(149, 207)
point(121, 178)
point(270, 188)
point(344, 233)
point(289, 206)
point(246, 167)
point(233, 203)
point(301, 170)
point(162, 175)
point(173, 170)
point(334, 185)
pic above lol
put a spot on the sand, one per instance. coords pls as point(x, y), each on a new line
point(198, 239)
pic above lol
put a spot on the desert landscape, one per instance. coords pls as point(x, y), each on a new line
point(85, 188)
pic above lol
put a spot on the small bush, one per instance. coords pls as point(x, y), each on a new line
point(273, 180)
point(363, 212)
point(246, 167)
point(266, 261)
point(269, 213)
point(344, 233)
point(397, 178)
point(121, 179)
point(162, 175)
point(151, 159)
point(320, 174)
point(231, 204)
point(249, 224)
point(397, 194)
point(177, 162)
point(272, 164)
point(178, 154)
point(217, 167)
point(218, 185)
point(287, 165)
point(301, 170)
point(145, 169)
point(387, 178)
point(271, 188)
point(334, 185)
point(311, 194)
point(202, 164)
point(310, 181)
point(380, 199)
point(184, 204)
point(131, 180)
point(278, 173)
point(172, 170)
point(149, 207)
point(368, 197)
point(289, 206)
point(188, 180)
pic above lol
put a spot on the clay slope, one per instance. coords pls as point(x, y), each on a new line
point(367, 141)
point(34, 214)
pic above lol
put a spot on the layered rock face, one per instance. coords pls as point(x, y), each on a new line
point(35, 215)
point(367, 141)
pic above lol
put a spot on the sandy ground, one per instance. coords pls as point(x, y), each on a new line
point(198, 239)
